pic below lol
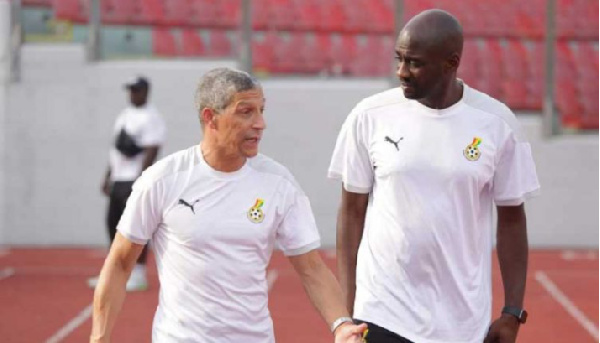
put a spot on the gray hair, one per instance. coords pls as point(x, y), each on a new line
point(217, 88)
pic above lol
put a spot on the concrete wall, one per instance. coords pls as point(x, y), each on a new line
point(58, 130)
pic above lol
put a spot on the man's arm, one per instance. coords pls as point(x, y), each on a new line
point(106, 182)
point(350, 224)
point(513, 252)
point(150, 154)
point(110, 291)
point(325, 294)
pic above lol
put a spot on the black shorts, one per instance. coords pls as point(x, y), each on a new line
point(377, 334)
point(119, 193)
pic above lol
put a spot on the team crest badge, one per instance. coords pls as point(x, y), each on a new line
point(255, 213)
point(472, 152)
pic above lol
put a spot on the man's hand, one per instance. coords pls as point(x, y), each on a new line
point(503, 330)
point(106, 188)
point(349, 333)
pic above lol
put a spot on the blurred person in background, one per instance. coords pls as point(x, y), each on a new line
point(421, 167)
point(214, 213)
point(139, 132)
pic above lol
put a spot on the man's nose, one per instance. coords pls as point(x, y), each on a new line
point(259, 122)
point(402, 70)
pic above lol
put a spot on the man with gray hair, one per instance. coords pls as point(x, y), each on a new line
point(214, 212)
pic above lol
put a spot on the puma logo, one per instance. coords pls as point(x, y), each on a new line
point(184, 203)
point(394, 143)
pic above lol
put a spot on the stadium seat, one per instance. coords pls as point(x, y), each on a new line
point(343, 54)
point(260, 14)
point(289, 56)
point(491, 68)
point(382, 17)
point(192, 43)
point(530, 19)
point(229, 13)
point(514, 87)
point(150, 12)
point(71, 10)
point(333, 18)
point(40, 3)
point(176, 12)
point(163, 43)
point(470, 68)
point(220, 45)
point(283, 15)
point(118, 12)
point(309, 15)
point(535, 71)
point(203, 13)
point(263, 52)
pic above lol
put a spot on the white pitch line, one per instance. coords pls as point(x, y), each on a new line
point(71, 325)
point(568, 305)
point(272, 276)
point(570, 255)
point(6, 273)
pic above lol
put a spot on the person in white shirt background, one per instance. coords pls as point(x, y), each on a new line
point(139, 132)
point(214, 213)
point(421, 167)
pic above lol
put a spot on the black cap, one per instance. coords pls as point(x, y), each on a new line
point(138, 83)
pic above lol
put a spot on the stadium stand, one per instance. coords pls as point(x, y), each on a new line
point(504, 47)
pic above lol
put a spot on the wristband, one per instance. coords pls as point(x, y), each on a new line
point(341, 320)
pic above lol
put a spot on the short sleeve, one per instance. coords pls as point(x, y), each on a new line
point(154, 132)
point(297, 232)
point(515, 178)
point(350, 162)
point(143, 212)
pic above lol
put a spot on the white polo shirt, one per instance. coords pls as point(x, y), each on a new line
point(424, 262)
point(148, 128)
point(213, 234)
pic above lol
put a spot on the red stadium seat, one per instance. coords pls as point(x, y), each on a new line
point(192, 43)
point(263, 52)
point(163, 43)
point(535, 70)
point(309, 15)
point(220, 45)
point(514, 86)
point(204, 13)
point(470, 67)
point(175, 12)
point(118, 12)
point(343, 54)
point(282, 15)
point(229, 13)
point(71, 10)
point(289, 55)
point(491, 67)
point(40, 3)
point(315, 54)
point(333, 17)
point(382, 17)
point(150, 12)
point(260, 14)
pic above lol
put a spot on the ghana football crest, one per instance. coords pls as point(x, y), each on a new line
point(472, 152)
point(255, 213)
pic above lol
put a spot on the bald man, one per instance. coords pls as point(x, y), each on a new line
point(422, 167)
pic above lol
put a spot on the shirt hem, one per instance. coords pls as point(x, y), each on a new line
point(303, 250)
point(518, 201)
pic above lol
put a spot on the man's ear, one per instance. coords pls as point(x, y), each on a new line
point(453, 62)
point(208, 116)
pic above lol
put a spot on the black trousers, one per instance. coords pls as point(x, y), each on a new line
point(119, 193)
point(377, 334)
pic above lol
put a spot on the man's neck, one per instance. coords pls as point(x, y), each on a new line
point(448, 95)
point(219, 159)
